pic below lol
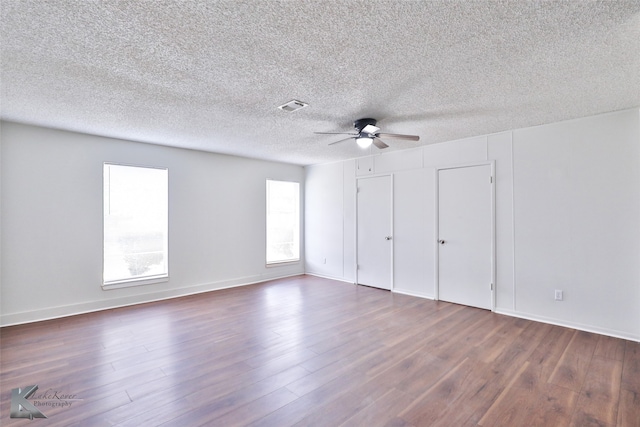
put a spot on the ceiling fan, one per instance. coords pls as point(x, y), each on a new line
point(367, 134)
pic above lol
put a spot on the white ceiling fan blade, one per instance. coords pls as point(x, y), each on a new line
point(399, 136)
point(335, 133)
point(379, 143)
point(341, 140)
point(370, 129)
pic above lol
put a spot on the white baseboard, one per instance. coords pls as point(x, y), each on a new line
point(413, 294)
point(88, 307)
point(338, 279)
point(578, 326)
point(91, 306)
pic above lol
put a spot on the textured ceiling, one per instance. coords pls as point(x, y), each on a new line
point(209, 75)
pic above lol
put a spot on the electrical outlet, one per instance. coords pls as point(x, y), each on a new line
point(324, 261)
point(559, 295)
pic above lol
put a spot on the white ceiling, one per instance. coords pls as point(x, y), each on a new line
point(209, 75)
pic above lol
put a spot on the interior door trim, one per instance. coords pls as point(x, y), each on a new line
point(436, 281)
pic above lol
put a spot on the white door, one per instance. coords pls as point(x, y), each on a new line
point(465, 218)
point(374, 228)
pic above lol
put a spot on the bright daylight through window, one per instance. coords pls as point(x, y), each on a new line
point(135, 225)
point(283, 221)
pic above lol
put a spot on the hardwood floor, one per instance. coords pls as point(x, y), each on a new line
point(306, 351)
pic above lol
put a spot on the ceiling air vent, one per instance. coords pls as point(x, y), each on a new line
point(292, 106)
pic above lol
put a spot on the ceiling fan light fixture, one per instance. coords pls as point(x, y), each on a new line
point(364, 141)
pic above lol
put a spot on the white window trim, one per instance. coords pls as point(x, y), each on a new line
point(149, 280)
point(282, 263)
point(297, 260)
point(137, 281)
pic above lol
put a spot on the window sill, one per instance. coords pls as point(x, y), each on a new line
point(134, 282)
point(282, 263)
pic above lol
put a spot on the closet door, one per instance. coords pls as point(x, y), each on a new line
point(465, 236)
point(374, 230)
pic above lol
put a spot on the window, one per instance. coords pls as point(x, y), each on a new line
point(135, 225)
point(283, 221)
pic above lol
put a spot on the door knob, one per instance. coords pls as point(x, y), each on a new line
point(441, 242)
point(387, 238)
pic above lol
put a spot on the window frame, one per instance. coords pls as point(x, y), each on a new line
point(141, 280)
point(297, 231)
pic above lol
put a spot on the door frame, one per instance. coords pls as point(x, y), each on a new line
point(437, 170)
point(355, 267)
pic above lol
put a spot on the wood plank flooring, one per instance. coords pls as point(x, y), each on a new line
point(306, 351)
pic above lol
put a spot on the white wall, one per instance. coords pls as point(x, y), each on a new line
point(325, 255)
point(330, 212)
point(567, 217)
point(577, 214)
point(51, 226)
